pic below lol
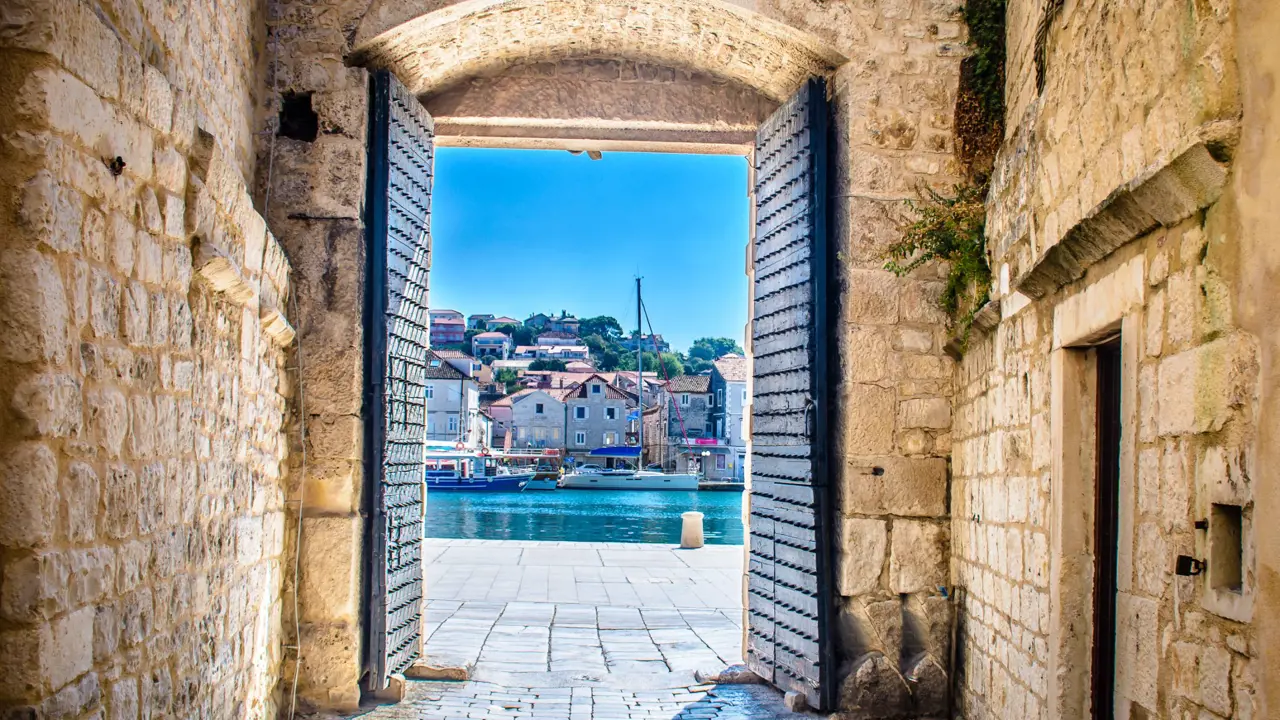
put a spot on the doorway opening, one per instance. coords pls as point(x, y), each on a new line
point(554, 276)
point(1106, 528)
point(556, 406)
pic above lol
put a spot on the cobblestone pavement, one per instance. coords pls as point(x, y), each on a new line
point(583, 631)
point(585, 609)
point(488, 701)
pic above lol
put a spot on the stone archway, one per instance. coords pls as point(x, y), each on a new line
point(613, 75)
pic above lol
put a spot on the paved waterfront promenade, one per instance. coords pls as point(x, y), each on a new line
point(583, 608)
point(583, 631)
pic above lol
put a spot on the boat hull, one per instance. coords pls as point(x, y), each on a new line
point(629, 481)
point(541, 484)
point(496, 483)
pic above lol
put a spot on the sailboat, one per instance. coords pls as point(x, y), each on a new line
point(591, 476)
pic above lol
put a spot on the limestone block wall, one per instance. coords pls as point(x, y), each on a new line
point(316, 193)
point(141, 361)
point(1126, 88)
point(1104, 216)
point(893, 113)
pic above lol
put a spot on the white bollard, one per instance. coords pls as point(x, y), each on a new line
point(691, 530)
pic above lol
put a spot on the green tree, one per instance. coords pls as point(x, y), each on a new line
point(672, 362)
point(487, 360)
point(547, 364)
point(603, 325)
point(519, 334)
point(607, 360)
point(696, 365)
point(467, 336)
point(509, 379)
point(594, 342)
point(711, 348)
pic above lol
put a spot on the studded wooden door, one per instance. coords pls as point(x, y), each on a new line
point(397, 217)
point(789, 600)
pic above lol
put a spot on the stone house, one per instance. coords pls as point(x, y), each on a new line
point(187, 258)
point(688, 421)
point(538, 419)
point(453, 400)
point(596, 412)
point(729, 412)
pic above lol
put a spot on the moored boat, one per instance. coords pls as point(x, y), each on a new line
point(628, 480)
point(468, 472)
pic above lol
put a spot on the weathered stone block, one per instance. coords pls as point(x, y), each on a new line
point(873, 688)
point(28, 495)
point(861, 555)
point(330, 670)
point(932, 413)
point(48, 405)
point(329, 589)
point(871, 297)
point(1200, 388)
point(866, 417)
point(918, 558)
point(895, 486)
point(34, 312)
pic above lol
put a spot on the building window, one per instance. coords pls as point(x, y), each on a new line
point(684, 399)
point(431, 391)
point(435, 363)
point(611, 438)
point(720, 396)
point(580, 413)
point(537, 408)
point(711, 400)
point(744, 397)
point(453, 423)
point(720, 459)
point(595, 389)
point(611, 413)
point(579, 438)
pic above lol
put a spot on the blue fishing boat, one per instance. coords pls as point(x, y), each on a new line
point(466, 472)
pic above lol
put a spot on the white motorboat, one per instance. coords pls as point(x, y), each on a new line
point(594, 477)
point(540, 483)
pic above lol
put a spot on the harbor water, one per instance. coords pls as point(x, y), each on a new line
point(634, 516)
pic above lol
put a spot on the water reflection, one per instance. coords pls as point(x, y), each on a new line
point(583, 515)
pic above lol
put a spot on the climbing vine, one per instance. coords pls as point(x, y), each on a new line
point(951, 229)
point(979, 112)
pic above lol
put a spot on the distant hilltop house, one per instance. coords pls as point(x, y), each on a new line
point(479, 321)
point(563, 322)
point(501, 320)
point(491, 343)
point(553, 352)
point(646, 342)
point(557, 337)
point(447, 327)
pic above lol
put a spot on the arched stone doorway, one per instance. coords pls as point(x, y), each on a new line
point(693, 76)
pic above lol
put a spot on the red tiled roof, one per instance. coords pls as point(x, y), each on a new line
point(490, 336)
point(733, 368)
point(438, 369)
point(689, 384)
point(454, 354)
point(611, 391)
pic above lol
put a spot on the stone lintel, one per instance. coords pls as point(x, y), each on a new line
point(1163, 195)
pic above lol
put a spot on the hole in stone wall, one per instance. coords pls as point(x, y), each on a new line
point(297, 120)
point(1226, 548)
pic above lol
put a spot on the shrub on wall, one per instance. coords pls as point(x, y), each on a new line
point(951, 229)
point(979, 113)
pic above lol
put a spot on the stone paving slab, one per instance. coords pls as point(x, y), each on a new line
point(488, 701)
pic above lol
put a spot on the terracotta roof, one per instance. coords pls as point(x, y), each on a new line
point(611, 391)
point(578, 366)
point(452, 354)
point(489, 335)
point(447, 321)
point(556, 335)
point(438, 369)
point(689, 384)
point(506, 401)
point(505, 320)
point(733, 368)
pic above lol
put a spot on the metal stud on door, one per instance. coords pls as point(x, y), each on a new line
point(789, 601)
point(398, 211)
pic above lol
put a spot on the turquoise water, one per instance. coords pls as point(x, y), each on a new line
point(584, 515)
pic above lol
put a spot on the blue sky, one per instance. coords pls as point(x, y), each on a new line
point(522, 231)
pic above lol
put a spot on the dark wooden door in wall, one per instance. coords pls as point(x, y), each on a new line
point(1106, 529)
point(789, 590)
point(397, 221)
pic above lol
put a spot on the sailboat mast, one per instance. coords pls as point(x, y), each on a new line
point(639, 379)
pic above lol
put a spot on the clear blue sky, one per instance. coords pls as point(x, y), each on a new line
point(523, 231)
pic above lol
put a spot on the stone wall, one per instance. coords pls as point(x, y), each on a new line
point(1104, 217)
point(893, 103)
point(141, 519)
